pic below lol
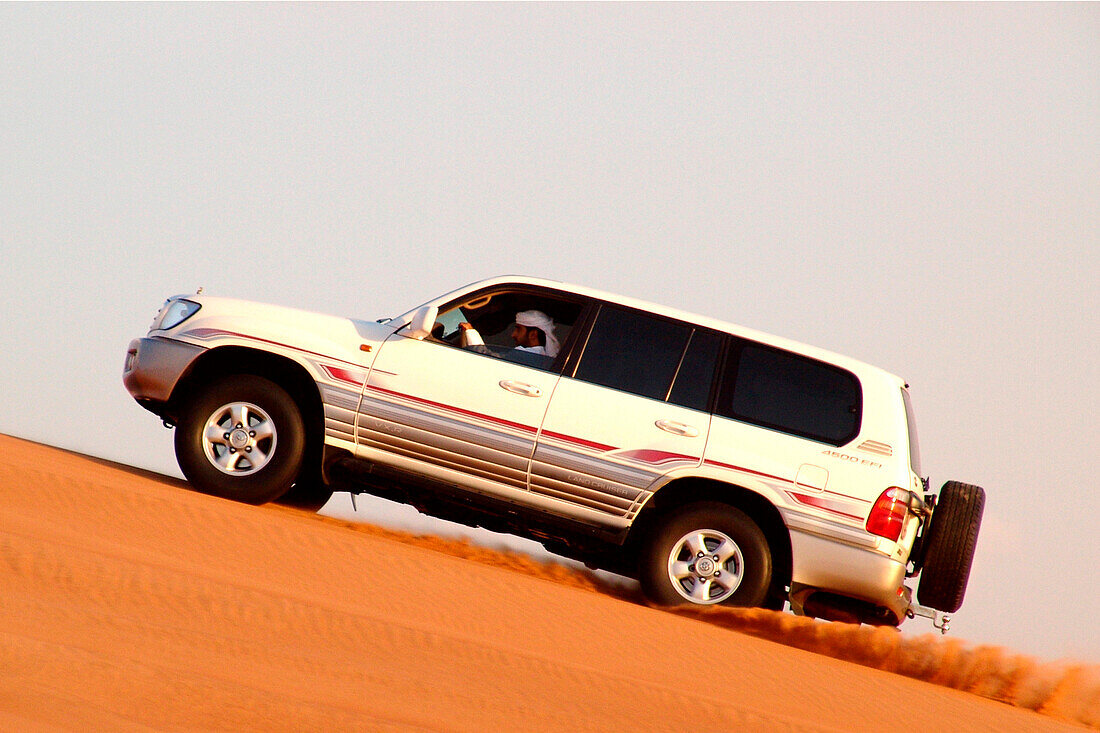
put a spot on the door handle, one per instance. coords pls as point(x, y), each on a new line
point(677, 428)
point(527, 390)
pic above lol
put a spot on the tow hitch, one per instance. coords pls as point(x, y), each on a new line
point(940, 620)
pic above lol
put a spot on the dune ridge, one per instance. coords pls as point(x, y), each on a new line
point(128, 602)
point(1063, 689)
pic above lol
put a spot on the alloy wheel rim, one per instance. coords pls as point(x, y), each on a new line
point(705, 566)
point(239, 438)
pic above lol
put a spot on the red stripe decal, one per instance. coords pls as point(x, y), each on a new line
point(814, 501)
point(579, 441)
point(345, 375)
point(818, 503)
point(500, 421)
point(646, 455)
point(746, 470)
point(204, 333)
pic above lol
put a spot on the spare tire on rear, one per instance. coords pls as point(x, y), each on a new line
point(950, 541)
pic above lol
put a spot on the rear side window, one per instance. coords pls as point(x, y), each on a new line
point(794, 394)
point(649, 356)
point(633, 352)
point(696, 372)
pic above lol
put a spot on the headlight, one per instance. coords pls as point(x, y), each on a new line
point(173, 313)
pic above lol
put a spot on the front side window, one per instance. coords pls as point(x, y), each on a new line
point(525, 327)
point(794, 394)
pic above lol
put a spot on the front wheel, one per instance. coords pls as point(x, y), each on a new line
point(706, 553)
point(241, 438)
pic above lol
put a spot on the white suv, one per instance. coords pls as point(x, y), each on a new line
point(713, 463)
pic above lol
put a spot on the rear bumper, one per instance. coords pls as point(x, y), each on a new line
point(154, 366)
point(843, 569)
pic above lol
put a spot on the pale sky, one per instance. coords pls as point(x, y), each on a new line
point(917, 186)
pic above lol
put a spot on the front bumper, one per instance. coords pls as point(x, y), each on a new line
point(153, 368)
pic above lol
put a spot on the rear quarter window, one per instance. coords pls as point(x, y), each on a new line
point(791, 393)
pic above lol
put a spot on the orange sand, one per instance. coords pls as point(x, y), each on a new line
point(129, 602)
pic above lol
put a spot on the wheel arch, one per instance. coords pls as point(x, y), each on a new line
point(226, 361)
point(683, 491)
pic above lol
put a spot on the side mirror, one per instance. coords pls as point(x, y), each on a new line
point(422, 321)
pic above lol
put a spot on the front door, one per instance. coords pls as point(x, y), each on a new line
point(457, 415)
point(467, 411)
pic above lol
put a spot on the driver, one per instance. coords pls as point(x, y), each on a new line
point(533, 333)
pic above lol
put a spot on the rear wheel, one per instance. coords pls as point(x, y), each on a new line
point(241, 438)
point(706, 553)
point(950, 543)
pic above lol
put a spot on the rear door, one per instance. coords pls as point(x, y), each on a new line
point(631, 409)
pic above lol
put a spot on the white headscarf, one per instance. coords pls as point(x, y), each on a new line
point(543, 322)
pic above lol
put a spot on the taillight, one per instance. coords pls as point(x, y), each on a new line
point(888, 514)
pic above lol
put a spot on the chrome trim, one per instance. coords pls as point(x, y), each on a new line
point(678, 428)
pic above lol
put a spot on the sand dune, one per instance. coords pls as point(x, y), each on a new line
point(128, 602)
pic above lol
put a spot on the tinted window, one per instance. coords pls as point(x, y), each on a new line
point(633, 352)
point(696, 373)
point(784, 391)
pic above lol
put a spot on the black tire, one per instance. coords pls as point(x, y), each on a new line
point(951, 539)
point(669, 574)
point(255, 462)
